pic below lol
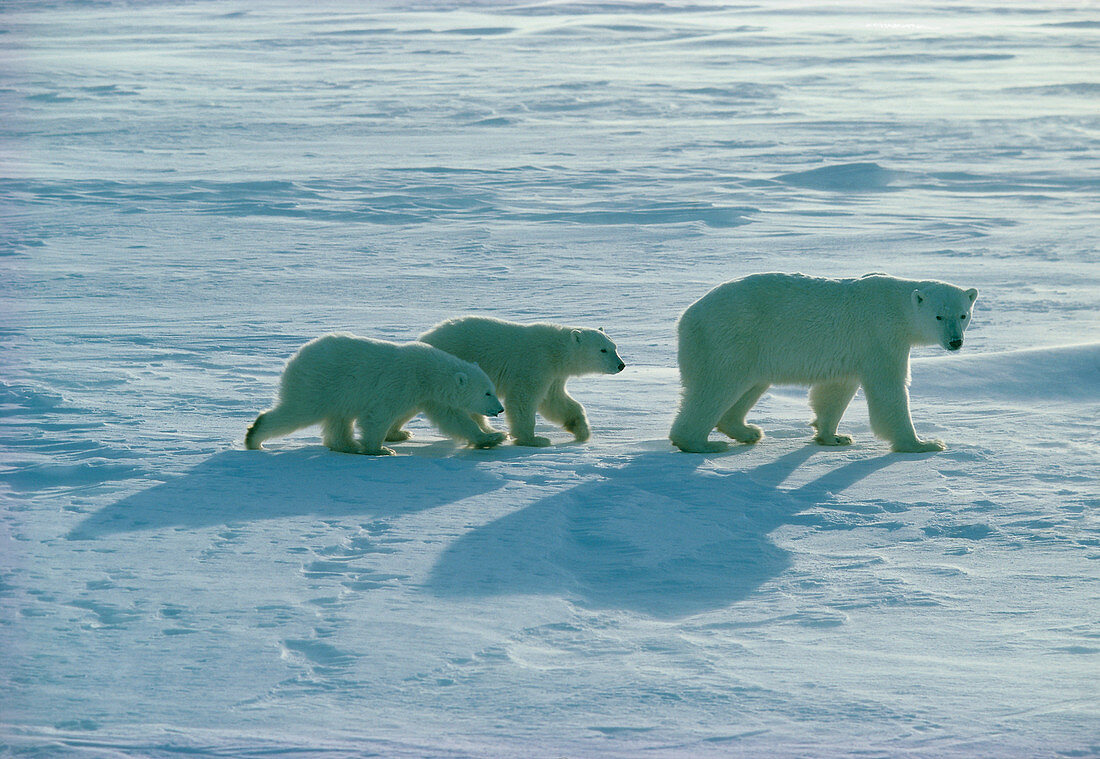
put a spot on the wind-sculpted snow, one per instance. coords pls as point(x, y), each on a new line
point(859, 177)
point(192, 191)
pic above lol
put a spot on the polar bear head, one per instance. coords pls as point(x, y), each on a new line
point(943, 313)
point(592, 352)
point(472, 390)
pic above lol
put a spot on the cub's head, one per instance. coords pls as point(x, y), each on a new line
point(943, 313)
point(594, 353)
point(473, 391)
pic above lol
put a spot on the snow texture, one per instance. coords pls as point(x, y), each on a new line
point(192, 190)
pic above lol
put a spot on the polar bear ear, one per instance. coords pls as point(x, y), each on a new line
point(918, 298)
point(576, 335)
point(461, 379)
point(972, 294)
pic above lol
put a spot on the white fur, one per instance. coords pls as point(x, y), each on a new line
point(834, 335)
point(339, 380)
point(529, 365)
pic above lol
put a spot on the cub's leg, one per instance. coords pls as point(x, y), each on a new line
point(520, 409)
point(396, 434)
point(829, 401)
point(888, 407)
point(483, 422)
point(732, 422)
point(336, 435)
point(458, 423)
point(558, 406)
point(372, 432)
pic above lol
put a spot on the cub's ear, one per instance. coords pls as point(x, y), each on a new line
point(918, 298)
point(972, 294)
point(461, 379)
point(576, 335)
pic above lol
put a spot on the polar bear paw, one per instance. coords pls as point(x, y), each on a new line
point(919, 446)
point(701, 446)
point(833, 439)
point(488, 440)
point(742, 433)
point(379, 451)
point(397, 436)
point(535, 441)
point(579, 428)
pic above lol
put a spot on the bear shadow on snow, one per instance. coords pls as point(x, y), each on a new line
point(243, 486)
point(658, 536)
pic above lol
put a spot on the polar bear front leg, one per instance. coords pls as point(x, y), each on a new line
point(482, 421)
point(829, 400)
point(560, 407)
point(521, 423)
point(456, 422)
point(888, 408)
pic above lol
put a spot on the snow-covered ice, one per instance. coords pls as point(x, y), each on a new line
point(192, 190)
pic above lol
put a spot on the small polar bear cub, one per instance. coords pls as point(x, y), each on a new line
point(529, 365)
point(834, 335)
point(340, 380)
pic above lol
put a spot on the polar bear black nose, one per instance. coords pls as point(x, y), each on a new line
point(621, 366)
point(955, 344)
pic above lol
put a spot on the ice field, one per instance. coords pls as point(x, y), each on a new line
point(192, 190)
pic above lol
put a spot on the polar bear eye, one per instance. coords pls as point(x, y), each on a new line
point(964, 316)
point(488, 394)
point(603, 350)
point(939, 318)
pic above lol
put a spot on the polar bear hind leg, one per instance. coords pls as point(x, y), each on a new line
point(372, 433)
point(732, 422)
point(396, 434)
point(337, 436)
point(279, 421)
point(700, 411)
point(829, 400)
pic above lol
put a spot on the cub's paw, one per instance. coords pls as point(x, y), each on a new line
point(535, 441)
point(701, 446)
point(919, 446)
point(833, 439)
point(742, 433)
point(579, 428)
point(489, 439)
point(379, 451)
point(397, 436)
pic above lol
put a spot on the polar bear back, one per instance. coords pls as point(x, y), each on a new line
point(506, 350)
point(344, 371)
point(792, 328)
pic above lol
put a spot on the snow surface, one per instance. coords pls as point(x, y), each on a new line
point(192, 190)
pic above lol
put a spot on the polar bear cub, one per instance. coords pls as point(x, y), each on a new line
point(340, 380)
point(833, 335)
point(529, 365)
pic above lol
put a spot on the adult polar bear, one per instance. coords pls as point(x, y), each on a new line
point(834, 335)
point(529, 365)
point(339, 380)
